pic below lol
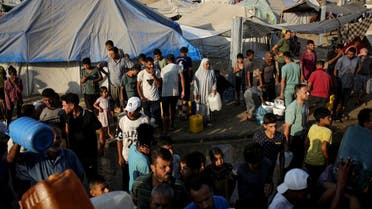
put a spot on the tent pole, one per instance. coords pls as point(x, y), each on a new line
point(236, 39)
point(28, 80)
point(323, 10)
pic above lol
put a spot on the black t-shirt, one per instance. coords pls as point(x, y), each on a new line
point(268, 73)
point(82, 133)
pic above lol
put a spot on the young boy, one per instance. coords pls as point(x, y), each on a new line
point(128, 126)
point(320, 82)
point(98, 187)
point(318, 139)
point(128, 87)
point(272, 142)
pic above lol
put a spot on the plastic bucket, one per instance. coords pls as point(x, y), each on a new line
point(31, 134)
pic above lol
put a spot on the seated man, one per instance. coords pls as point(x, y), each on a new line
point(203, 198)
point(34, 167)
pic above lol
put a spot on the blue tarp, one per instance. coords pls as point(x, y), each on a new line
point(69, 30)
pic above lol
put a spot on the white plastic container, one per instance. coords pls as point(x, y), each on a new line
point(278, 108)
point(214, 102)
point(268, 106)
point(113, 200)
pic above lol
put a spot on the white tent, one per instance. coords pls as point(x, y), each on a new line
point(50, 37)
point(214, 16)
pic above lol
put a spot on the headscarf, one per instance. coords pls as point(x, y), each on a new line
point(202, 63)
point(204, 81)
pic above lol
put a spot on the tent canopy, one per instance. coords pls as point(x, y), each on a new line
point(214, 16)
point(325, 26)
point(308, 6)
point(69, 30)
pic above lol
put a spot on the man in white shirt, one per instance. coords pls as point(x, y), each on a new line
point(171, 76)
point(292, 191)
point(148, 84)
point(128, 125)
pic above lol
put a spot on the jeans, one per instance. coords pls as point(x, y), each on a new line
point(251, 98)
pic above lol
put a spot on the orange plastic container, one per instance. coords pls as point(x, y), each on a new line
point(196, 123)
point(60, 191)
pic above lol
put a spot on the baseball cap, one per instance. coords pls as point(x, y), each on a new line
point(363, 51)
point(295, 179)
point(133, 104)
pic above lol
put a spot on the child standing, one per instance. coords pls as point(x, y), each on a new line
point(13, 94)
point(104, 115)
point(239, 73)
point(318, 138)
point(128, 86)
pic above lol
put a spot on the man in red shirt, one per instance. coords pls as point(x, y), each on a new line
point(307, 61)
point(320, 84)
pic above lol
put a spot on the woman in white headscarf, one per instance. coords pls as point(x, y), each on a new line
point(204, 83)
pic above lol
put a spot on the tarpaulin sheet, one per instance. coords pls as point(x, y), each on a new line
point(69, 30)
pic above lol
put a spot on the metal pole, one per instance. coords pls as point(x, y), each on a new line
point(323, 10)
point(236, 39)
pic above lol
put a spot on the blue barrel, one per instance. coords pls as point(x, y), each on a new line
point(31, 134)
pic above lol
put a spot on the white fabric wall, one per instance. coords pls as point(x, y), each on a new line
point(297, 18)
point(62, 77)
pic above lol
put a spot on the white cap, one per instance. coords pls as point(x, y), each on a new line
point(133, 104)
point(295, 179)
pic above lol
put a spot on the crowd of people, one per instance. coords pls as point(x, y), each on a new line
point(343, 75)
point(143, 95)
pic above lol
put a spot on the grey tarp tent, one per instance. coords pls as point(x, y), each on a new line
point(45, 32)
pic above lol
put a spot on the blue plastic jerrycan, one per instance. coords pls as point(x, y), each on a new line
point(31, 134)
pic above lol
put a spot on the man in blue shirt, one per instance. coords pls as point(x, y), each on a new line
point(35, 167)
point(138, 159)
point(203, 197)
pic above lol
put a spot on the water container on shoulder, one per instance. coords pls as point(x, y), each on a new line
point(31, 134)
point(59, 191)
